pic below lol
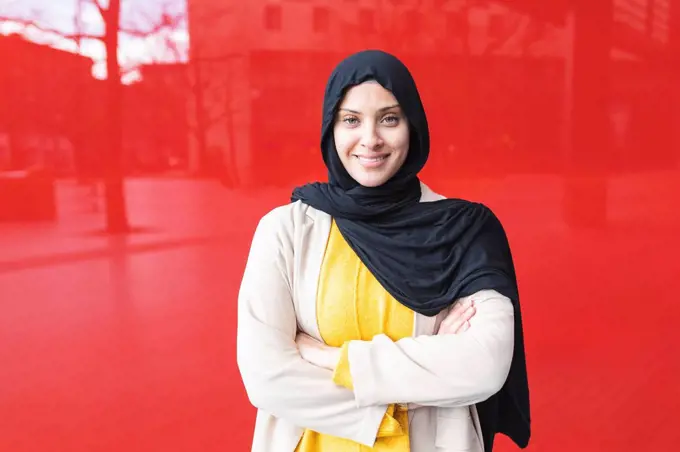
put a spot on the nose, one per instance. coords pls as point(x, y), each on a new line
point(370, 139)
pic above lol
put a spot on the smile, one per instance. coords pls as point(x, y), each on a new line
point(372, 159)
point(371, 162)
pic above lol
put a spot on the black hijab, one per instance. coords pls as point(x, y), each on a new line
point(426, 255)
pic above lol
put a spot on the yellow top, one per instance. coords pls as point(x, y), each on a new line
point(352, 305)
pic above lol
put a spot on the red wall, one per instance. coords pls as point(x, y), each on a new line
point(120, 338)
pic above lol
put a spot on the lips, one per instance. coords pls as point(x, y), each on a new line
point(372, 162)
point(373, 159)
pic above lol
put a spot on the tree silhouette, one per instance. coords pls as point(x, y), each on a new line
point(212, 104)
point(112, 156)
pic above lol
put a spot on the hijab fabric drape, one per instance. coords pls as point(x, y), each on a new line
point(426, 255)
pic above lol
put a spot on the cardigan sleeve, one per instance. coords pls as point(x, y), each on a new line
point(342, 377)
point(445, 371)
point(276, 378)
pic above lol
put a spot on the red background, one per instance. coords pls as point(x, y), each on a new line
point(126, 210)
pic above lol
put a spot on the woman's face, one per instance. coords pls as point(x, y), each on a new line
point(371, 134)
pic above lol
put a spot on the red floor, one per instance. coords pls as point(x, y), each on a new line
point(110, 346)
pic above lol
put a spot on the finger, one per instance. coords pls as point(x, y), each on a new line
point(464, 307)
point(455, 325)
point(464, 326)
point(455, 319)
point(452, 326)
point(470, 312)
point(455, 313)
point(461, 306)
point(465, 317)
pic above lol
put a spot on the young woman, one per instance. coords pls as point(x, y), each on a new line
point(373, 313)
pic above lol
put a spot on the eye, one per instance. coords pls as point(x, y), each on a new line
point(350, 120)
point(391, 120)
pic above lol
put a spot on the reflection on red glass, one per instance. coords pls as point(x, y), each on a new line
point(127, 202)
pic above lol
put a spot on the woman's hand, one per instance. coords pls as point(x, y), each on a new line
point(458, 319)
point(316, 352)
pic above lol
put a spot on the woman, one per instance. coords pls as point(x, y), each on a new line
point(374, 313)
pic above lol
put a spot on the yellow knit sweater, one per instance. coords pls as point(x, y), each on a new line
point(352, 305)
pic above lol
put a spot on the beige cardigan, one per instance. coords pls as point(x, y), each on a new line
point(440, 377)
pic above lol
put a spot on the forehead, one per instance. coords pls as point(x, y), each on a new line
point(368, 94)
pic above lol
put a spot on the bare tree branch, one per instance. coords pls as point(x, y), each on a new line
point(172, 47)
point(27, 23)
point(510, 31)
point(210, 122)
point(209, 17)
point(214, 119)
point(167, 21)
point(103, 11)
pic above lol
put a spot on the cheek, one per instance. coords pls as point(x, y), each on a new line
point(343, 142)
point(405, 143)
point(401, 140)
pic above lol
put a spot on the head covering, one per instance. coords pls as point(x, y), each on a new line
point(426, 255)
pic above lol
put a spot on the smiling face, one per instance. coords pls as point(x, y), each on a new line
point(371, 134)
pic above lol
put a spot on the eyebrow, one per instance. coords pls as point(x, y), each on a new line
point(380, 110)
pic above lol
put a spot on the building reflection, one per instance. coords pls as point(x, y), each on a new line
point(571, 88)
point(530, 87)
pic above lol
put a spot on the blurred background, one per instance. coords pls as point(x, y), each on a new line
point(140, 142)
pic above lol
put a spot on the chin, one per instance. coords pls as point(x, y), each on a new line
point(371, 184)
point(370, 180)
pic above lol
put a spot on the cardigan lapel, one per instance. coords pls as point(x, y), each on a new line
point(311, 237)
